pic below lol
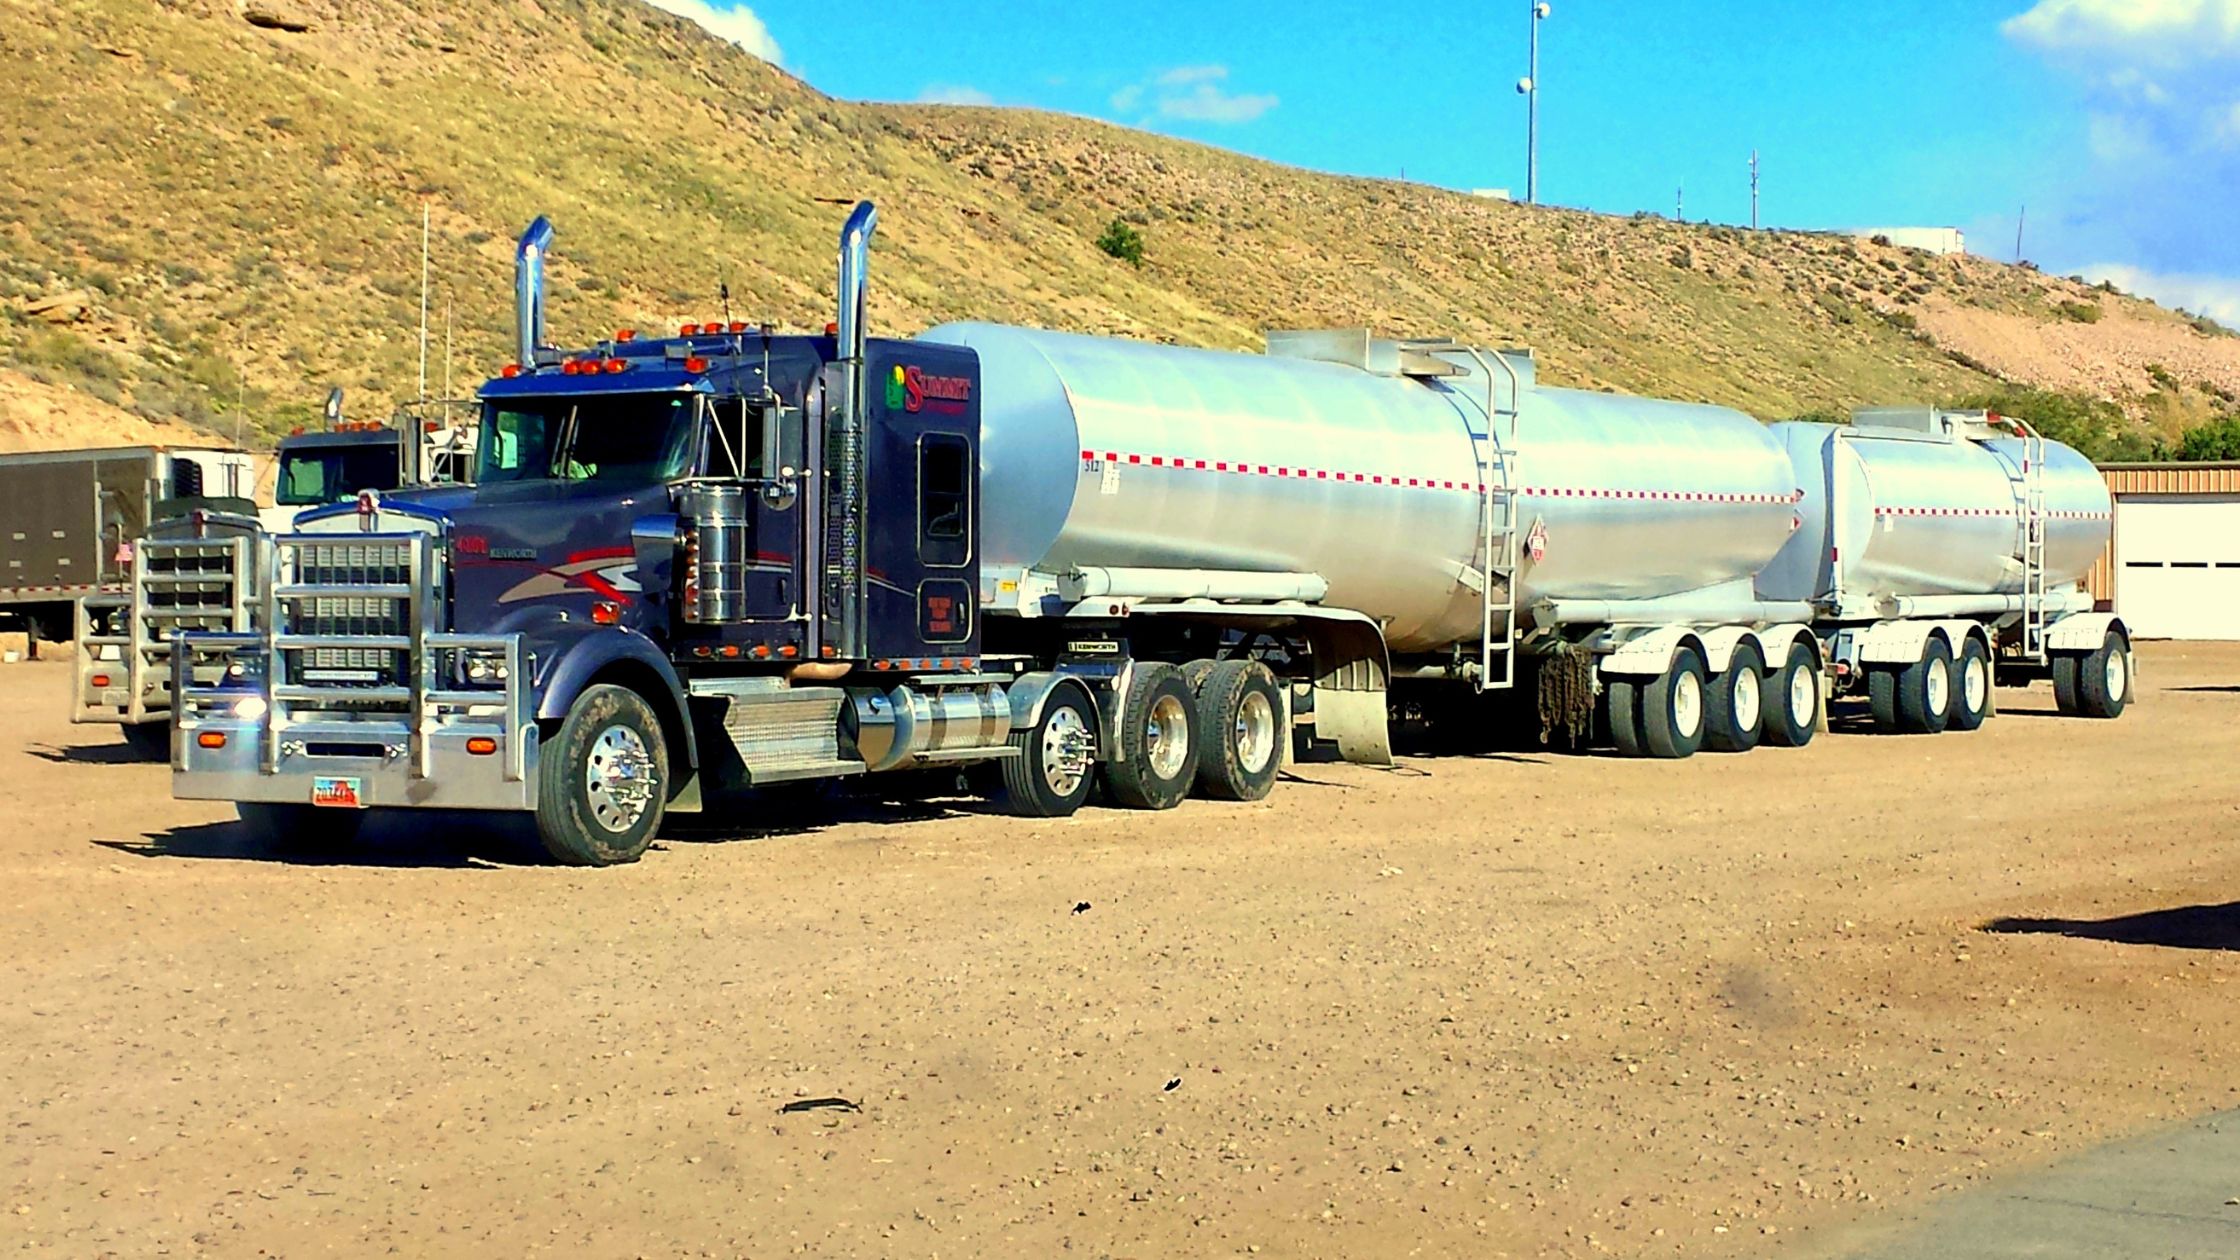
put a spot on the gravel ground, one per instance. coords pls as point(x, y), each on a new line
point(1507, 1005)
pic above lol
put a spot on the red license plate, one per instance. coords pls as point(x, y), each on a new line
point(336, 793)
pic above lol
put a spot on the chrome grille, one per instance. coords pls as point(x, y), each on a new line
point(344, 562)
point(352, 563)
point(187, 586)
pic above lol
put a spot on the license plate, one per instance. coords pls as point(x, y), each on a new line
point(336, 793)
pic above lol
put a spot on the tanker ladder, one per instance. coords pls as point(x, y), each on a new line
point(1495, 573)
point(2033, 541)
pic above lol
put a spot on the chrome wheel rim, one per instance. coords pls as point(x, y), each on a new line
point(1166, 737)
point(618, 778)
point(1687, 703)
point(1065, 751)
point(1975, 683)
point(1804, 696)
point(1255, 732)
point(2117, 675)
point(1746, 699)
point(1937, 682)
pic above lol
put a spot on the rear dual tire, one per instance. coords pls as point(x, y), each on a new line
point(1241, 731)
point(1664, 716)
point(1158, 741)
point(1913, 699)
point(2094, 684)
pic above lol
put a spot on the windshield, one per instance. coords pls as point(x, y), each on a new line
point(632, 438)
point(333, 474)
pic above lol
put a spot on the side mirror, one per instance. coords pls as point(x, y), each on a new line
point(334, 406)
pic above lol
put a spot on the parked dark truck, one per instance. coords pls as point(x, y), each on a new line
point(733, 559)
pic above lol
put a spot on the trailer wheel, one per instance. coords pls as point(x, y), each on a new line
point(1673, 708)
point(1737, 702)
point(603, 780)
point(1624, 695)
point(1915, 699)
point(1157, 741)
point(2103, 678)
point(1054, 769)
point(1792, 716)
point(1195, 673)
point(150, 741)
point(285, 827)
point(1971, 689)
point(1241, 728)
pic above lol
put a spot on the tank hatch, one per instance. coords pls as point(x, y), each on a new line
point(1384, 356)
point(1974, 426)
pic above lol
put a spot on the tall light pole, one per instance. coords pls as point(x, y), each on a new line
point(1529, 86)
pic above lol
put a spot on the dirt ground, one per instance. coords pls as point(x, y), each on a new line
point(1555, 1005)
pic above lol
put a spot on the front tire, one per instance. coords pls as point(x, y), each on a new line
point(1157, 743)
point(149, 741)
point(1241, 728)
point(1737, 702)
point(1053, 770)
point(1971, 691)
point(603, 780)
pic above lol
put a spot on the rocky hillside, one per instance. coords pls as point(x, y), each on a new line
point(207, 201)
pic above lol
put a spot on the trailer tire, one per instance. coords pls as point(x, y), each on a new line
point(1240, 730)
point(2064, 671)
point(2103, 685)
point(1971, 687)
point(1157, 741)
point(1624, 695)
point(1040, 782)
point(603, 780)
point(1918, 697)
point(1736, 703)
point(1195, 673)
point(150, 741)
point(1794, 690)
point(1673, 708)
point(282, 828)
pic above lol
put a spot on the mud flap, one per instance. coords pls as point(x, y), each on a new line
point(1351, 675)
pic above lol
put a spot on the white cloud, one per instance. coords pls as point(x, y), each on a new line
point(2175, 31)
point(732, 23)
point(2218, 297)
point(1193, 94)
point(953, 94)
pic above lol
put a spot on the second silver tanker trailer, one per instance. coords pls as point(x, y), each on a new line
point(731, 558)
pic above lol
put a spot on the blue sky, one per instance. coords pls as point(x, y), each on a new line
point(2117, 122)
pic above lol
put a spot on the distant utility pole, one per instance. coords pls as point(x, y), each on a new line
point(1529, 87)
point(2020, 216)
point(1753, 190)
point(423, 301)
point(1680, 204)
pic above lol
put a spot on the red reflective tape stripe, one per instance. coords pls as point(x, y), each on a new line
point(1088, 454)
point(1135, 459)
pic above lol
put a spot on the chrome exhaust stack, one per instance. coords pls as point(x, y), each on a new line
point(848, 633)
point(528, 290)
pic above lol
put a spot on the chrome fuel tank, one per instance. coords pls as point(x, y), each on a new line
point(1105, 452)
point(1920, 502)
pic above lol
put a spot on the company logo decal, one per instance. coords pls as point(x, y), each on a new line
point(915, 389)
point(610, 573)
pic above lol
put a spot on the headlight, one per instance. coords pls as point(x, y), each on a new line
point(249, 708)
point(485, 669)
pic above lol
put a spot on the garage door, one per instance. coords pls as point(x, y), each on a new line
point(2178, 566)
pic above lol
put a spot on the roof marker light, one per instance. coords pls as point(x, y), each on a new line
point(616, 365)
point(738, 325)
point(626, 334)
point(510, 370)
point(689, 330)
point(695, 365)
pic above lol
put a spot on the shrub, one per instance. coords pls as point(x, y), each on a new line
point(2078, 312)
point(2096, 427)
point(2218, 439)
point(1122, 241)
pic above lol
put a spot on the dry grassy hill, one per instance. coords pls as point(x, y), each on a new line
point(206, 204)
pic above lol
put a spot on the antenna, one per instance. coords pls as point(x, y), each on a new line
point(1753, 190)
point(423, 301)
point(447, 352)
point(723, 290)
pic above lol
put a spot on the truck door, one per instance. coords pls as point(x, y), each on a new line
point(758, 443)
point(922, 547)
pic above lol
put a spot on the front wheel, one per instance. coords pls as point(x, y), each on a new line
point(1049, 774)
point(603, 779)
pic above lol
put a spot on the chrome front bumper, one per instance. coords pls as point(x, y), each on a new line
point(272, 734)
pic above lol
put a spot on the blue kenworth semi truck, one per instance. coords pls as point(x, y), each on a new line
point(730, 559)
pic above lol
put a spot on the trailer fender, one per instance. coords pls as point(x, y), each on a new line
point(2085, 632)
point(620, 655)
point(1904, 642)
point(1775, 642)
point(1650, 655)
point(1719, 645)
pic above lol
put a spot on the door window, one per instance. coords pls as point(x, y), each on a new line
point(944, 500)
